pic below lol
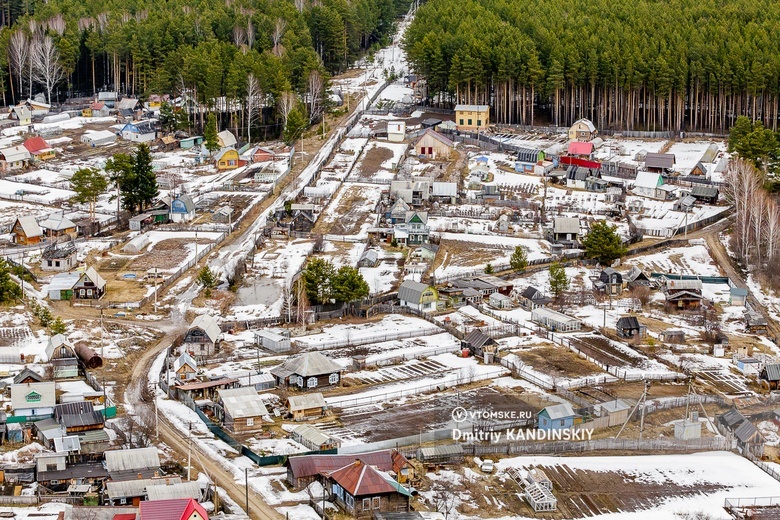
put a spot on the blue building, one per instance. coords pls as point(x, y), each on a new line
point(182, 209)
point(556, 417)
point(139, 132)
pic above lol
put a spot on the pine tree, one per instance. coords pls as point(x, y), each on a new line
point(559, 282)
point(296, 124)
point(208, 280)
point(488, 268)
point(603, 243)
point(348, 285)
point(10, 291)
point(210, 134)
point(318, 278)
point(144, 178)
point(57, 326)
point(88, 183)
point(519, 259)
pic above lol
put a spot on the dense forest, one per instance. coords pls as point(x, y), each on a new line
point(209, 49)
point(666, 65)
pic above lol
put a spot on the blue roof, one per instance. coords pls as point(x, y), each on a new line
point(738, 291)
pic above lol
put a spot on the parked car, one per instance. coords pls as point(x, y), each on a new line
point(487, 466)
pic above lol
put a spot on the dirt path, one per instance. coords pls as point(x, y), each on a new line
point(726, 263)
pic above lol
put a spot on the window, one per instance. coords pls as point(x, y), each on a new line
point(349, 499)
point(479, 122)
point(563, 421)
point(375, 501)
point(333, 379)
point(366, 504)
point(250, 421)
point(123, 501)
point(300, 381)
point(470, 123)
point(49, 261)
point(89, 292)
point(311, 382)
point(57, 263)
point(51, 467)
point(63, 351)
point(461, 121)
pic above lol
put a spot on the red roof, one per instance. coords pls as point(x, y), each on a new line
point(36, 144)
point(304, 466)
point(580, 148)
point(360, 479)
point(97, 105)
point(124, 516)
point(173, 509)
point(580, 162)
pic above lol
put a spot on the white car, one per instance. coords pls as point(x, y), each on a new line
point(487, 466)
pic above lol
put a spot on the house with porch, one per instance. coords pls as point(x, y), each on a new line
point(61, 354)
point(418, 296)
point(14, 158)
point(308, 371)
point(90, 285)
point(360, 490)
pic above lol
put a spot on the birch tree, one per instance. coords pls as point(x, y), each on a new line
point(287, 102)
point(253, 95)
point(315, 87)
point(277, 35)
point(18, 54)
point(46, 70)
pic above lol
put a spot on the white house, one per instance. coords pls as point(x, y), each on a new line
point(396, 131)
point(418, 296)
point(272, 340)
point(139, 132)
point(33, 399)
point(651, 185)
point(500, 301)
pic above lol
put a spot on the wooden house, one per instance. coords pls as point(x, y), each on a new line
point(610, 281)
point(432, 145)
point(21, 114)
point(305, 469)
point(202, 337)
point(139, 132)
point(683, 294)
point(635, 276)
point(57, 226)
point(259, 154)
point(414, 229)
point(659, 162)
point(27, 376)
point(308, 406)
point(755, 322)
point(242, 409)
point(699, 170)
point(78, 417)
point(582, 130)
point(226, 159)
point(181, 209)
point(476, 341)
point(303, 217)
point(557, 417)
point(566, 230)
point(361, 490)
point(14, 158)
point(308, 371)
point(532, 298)
point(629, 327)
point(771, 374)
point(26, 231)
point(706, 194)
point(185, 367)
point(472, 117)
point(418, 296)
point(674, 336)
point(39, 149)
point(62, 356)
point(90, 286)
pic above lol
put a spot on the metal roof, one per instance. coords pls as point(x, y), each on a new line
point(445, 189)
point(618, 405)
point(173, 509)
point(184, 359)
point(242, 402)
point(436, 135)
point(566, 225)
point(57, 222)
point(30, 226)
point(306, 365)
point(67, 444)
point(747, 433)
point(659, 160)
point(544, 312)
point(45, 390)
point(441, 451)
point(559, 411)
point(174, 490)
point(227, 138)
point(772, 372)
point(648, 180)
point(306, 402)
point(138, 487)
point(15, 153)
point(628, 322)
point(309, 465)
point(200, 385)
point(683, 285)
point(411, 291)
point(129, 460)
point(312, 434)
point(587, 122)
point(476, 338)
point(208, 324)
point(704, 191)
point(471, 108)
point(94, 277)
point(360, 479)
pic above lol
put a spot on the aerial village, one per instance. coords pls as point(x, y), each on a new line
point(177, 364)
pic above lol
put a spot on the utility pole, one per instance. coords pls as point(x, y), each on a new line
point(246, 489)
point(189, 451)
point(155, 301)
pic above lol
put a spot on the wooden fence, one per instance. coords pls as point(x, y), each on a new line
point(650, 445)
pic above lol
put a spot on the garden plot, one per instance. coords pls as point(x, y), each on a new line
point(378, 161)
point(342, 253)
point(25, 192)
point(469, 253)
point(661, 487)
point(385, 276)
point(10, 211)
point(723, 381)
point(624, 150)
point(410, 370)
point(687, 155)
point(390, 327)
point(468, 317)
point(344, 160)
point(690, 260)
point(352, 210)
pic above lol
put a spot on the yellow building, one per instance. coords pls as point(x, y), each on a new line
point(227, 159)
point(472, 117)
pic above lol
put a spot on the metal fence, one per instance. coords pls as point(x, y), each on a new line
point(375, 338)
point(651, 445)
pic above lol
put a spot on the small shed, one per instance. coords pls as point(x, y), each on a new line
point(302, 407)
point(674, 336)
point(61, 286)
point(557, 417)
point(369, 258)
point(748, 366)
point(738, 296)
point(617, 411)
point(771, 374)
point(62, 356)
point(182, 209)
point(629, 327)
point(688, 428)
point(396, 131)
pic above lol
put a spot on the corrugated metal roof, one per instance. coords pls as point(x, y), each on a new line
point(659, 160)
point(307, 365)
point(772, 372)
point(208, 324)
point(127, 460)
point(310, 465)
point(471, 108)
point(67, 444)
point(174, 491)
point(411, 291)
point(173, 509)
point(306, 402)
point(311, 434)
point(360, 479)
point(242, 402)
point(559, 411)
point(566, 225)
point(476, 338)
point(442, 450)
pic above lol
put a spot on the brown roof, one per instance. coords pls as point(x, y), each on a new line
point(360, 479)
point(207, 384)
point(309, 465)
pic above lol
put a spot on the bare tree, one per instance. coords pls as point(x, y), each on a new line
point(47, 69)
point(299, 5)
point(239, 36)
point(253, 98)
point(288, 302)
point(250, 33)
point(277, 35)
point(18, 54)
point(56, 24)
point(315, 87)
point(287, 102)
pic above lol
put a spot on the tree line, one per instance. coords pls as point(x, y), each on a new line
point(214, 53)
point(625, 64)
